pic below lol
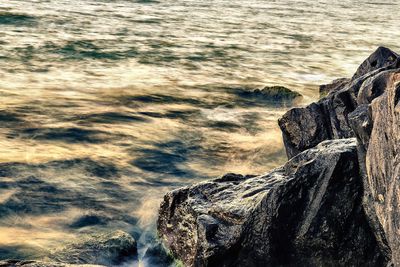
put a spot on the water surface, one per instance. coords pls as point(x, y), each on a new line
point(107, 105)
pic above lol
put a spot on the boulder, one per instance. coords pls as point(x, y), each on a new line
point(306, 213)
point(105, 249)
point(157, 256)
point(376, 123)
point(382, 57)
point(329, 116)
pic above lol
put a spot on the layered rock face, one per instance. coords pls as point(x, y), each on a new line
point(303, 128)
point(307, 212)
point(377, 126)
point(330, 205)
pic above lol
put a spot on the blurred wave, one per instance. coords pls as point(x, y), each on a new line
point(106, 105)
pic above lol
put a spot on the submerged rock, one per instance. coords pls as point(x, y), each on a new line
point(104, 249)
point(303, 128)
point(272, 94)
point(306, 213)
point(157, 256)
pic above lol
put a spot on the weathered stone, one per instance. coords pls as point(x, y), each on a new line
point(157, 256)
point(332, 87)
point(306, 213)
point(379, 147)
point(104, 249)
point(382, 57)
point(333, 110)
point(272, 94)
point(303, 128)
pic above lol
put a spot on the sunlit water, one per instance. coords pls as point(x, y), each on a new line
point(107, 105)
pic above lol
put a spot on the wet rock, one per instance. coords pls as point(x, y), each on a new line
point(18, 263)
point(382, 57)
point(303, 128)
point(379, 147)
point(306, 213)
point(104, 249)
point(157, 256)
point(329, 116)
point(273, 94)
point(332, 87)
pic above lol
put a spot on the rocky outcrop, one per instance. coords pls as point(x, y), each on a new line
point(105, 249)
point(376, 123)
point(306, 213)
point(328, 206)
point(303, 128)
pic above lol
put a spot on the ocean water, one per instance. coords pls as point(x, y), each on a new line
point(108, 104)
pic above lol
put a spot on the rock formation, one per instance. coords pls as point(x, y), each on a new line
point(376, 123)
point(303, 128)
point(91, 250)
point(330, 205)
point(105, 249)
point(307, 212)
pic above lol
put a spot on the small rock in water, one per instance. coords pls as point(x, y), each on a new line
point(104, 249)
point(157, 256)
point(273, 94)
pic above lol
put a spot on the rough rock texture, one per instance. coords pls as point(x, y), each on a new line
point(382, 57)
point(303, 128)
point(334, 86)
point(104, 249)
point(306, 213)
point(276, 95)
point(157, 256)
point(376, 123)
point(17, 263)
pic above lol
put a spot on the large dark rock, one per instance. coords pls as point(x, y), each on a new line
point(376, 123)
point(306, 213)
point(109, 248)
point(382, 57)
point(303, 128)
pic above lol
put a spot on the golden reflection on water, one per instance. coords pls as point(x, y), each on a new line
point(107, 105)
